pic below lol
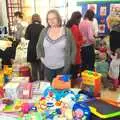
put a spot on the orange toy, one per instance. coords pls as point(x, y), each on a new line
point(58, 83)
point(92, 82)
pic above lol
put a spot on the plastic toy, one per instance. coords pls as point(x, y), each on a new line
point(81, 111)
point(33, 108)
point(65, 77)
point(113, 102)
point(1, 78)
point(42, 104)
point(58, 94)
point(7, 101)
point(58, 103)
point(81, 97)
point(68, 114)
point(91, 82)
point(103, 110)
point(26, 107)
point(1, 92)
point(25, 91)
point(58, 111)
point(61, 82)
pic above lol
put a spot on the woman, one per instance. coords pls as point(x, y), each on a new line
point(87, 51)
point(73, 24)
point(113, 22)
point(32, 34)
point(19, 27)
point(56, 47)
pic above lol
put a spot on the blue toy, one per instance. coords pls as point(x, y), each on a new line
point(81, 111)
point(58, 94)
point(65, 77)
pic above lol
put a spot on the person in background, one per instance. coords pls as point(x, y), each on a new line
point(56, 47)
point(94, 22)
point(19, 27)
point(114, 70)
point(87, 49)
point(102, 67)
point(32, 34)
point(113, 23)
point(73, 24)
point(8, 55)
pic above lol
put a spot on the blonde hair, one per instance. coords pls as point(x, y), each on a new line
point(57, 15)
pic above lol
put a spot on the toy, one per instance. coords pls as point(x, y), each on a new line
point(81, 111)
point(1, 92)
point(42, 104)
point(58, 103)
point(61, 82)
point(112, 102)
point(58, 94)
point(7, 101)
point(103, 110)
point(91, 82)
point(33, 108)
point(25, 91)
point(1, 78)
point(68, 114)
point(81, 97)
point(69, 99)
point(26, 107)
point(11, 90)
point(65, 77)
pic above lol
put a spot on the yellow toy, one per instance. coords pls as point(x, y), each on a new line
point(92, 82)
point(1, 78)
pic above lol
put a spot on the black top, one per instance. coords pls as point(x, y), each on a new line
point(7, 55)
point(32, 34)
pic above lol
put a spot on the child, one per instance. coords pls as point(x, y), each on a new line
point(9, 54)
point(102, 67)
point(114, 71)
point(103, 47)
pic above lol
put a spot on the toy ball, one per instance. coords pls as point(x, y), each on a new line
point(81, 111)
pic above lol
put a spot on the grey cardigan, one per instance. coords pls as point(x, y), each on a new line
point(70, 49)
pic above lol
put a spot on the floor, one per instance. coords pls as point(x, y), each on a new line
point(113, 95)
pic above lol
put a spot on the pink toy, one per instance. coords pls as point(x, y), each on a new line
point(26, 91)
point(25, 108)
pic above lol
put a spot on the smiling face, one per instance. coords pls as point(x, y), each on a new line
point(53, 18)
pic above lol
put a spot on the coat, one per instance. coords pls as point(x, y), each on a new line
point(32, 34)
